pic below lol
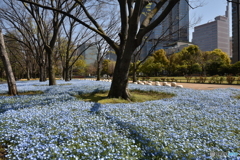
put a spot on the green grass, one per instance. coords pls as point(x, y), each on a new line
point(136, 96)
point(238, 96)
point(24, 93)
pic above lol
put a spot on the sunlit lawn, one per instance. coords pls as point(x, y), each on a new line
point(136, 96)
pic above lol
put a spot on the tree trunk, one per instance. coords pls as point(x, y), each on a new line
point(119, 84)
point(98, 71)
point(44, 72)
point(51, 71)
point(63, 73)
point(67, 74)
point(28, 72)
point(134, 72)
point(70, 72)
point(12, 87)
point(42, 69)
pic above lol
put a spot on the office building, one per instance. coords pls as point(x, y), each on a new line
point(176, 25)
point(89, 53)
point(235, 31)
point(213, 35)
point(175, 47)
point(174, 28)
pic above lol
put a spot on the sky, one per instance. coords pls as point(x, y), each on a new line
point(209, 10)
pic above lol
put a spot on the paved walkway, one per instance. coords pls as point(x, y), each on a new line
point(207, 86)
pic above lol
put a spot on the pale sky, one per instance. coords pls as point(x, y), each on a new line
point(208, 12)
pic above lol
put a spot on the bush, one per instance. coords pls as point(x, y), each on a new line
point(216, 79)
point(201, 79)
point(221, 80)
point(230, 79)
point(188, 78)
point(163, 79)
point(156, 79)
point(173, 80)
point(238, 80)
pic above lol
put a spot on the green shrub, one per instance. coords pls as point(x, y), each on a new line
point(216, 79)
point(201, 79)
point(163, 79)
point(221, 80)
point(173, 80)
point(156, 79)
point(238, 80)
point(188, 78)
point(230, 79)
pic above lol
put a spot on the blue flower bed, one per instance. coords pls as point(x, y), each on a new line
point(55, 125)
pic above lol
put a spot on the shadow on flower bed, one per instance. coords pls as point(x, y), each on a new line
point(27, 101)
point(148, 147)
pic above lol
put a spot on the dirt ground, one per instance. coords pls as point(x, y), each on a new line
point(207, 86)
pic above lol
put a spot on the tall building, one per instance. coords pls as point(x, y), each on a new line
point(174, 28)
point(89, 53)
point(235, 31)
point(213, 35)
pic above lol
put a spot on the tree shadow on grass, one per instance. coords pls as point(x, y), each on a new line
point(150, 149)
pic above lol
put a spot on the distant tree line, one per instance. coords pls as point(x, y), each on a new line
point(190, 60)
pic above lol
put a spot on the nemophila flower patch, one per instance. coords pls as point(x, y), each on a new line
point(55, 125)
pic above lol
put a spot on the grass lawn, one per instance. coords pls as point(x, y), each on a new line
point(24, 93)
point(136, 96)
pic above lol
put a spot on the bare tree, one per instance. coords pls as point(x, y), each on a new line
point(131, 34)
point(71, 43)
point(26, 34)
point(103, 48)
point(12, 87)
point(48, 25)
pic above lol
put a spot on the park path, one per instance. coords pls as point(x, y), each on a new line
point(200, 86)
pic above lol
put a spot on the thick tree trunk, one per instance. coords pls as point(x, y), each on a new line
point(51, 71)
point(12, 87)
point(120, 78)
